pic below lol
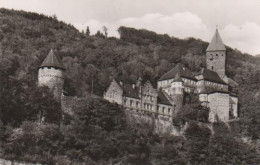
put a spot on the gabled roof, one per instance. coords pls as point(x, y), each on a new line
point(129, 91)
point(52, 61)
point(162, 99)
point(216, 43)
point(181, 70)
point(212, 76)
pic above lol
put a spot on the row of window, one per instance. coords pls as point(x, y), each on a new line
point(135, 104)
point(164, 109)
point(179, 83)
point(215, 84)
point(210, 83)
point(147, 97)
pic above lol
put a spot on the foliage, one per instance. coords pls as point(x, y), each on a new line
point(193, 110)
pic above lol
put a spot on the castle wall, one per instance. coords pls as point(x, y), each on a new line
point(52, 78)
point(165, 110)
point(234, 106)
point(132, 103)
point(114, 93)
point(219, 106)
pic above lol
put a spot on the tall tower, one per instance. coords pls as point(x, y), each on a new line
point(51, 74)
point(216, 55)
point(177, 93)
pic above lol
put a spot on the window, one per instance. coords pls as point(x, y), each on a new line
point(169, 110)
point(212, 68)
point(137, 104)
point(163, 109)
point(131, 103)
point(211, 57)
point(217, 55)
point(158, 108)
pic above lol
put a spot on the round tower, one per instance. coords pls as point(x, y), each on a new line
point(51, 74)
point(177, 85)
point(177, 91)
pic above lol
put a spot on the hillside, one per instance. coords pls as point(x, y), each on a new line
point(25, 40)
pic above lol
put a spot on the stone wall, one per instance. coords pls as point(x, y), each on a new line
point(216, 61)
point(114, 93)
point(161, 124)
point(52, 78)
point(219, 106)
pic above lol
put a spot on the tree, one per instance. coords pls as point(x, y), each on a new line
point(87, 31)
point(105, 29)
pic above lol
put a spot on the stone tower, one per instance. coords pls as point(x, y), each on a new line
point(51, 74)
point(216, 55)
point(176, 92)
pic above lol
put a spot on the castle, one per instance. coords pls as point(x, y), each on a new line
point(160, 105)
point(211, 84)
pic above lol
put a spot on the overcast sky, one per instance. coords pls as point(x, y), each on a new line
point(238, 21)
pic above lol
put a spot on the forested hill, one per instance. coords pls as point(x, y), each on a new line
point(25, 40)
point(27, 37)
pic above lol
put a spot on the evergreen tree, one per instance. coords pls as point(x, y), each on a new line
point(87, 31)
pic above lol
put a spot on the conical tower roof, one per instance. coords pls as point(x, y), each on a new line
point(216, 43)
point(52, 61)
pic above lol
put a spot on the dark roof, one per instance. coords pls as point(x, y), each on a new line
point(216, 43)
point(219, 91)
point(177, 78)
point(212, 76)
point(181, 70)
point(52, 61)
point(129, 91)
point(162, 99)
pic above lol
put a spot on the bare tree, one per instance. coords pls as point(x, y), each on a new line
point(105, 29)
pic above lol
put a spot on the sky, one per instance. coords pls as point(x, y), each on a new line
point(238, 21)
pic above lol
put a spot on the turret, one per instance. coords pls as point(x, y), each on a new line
point(203, 96)
point(177, 85)
point(51, 74)
point(216, 55)
point(176, 91)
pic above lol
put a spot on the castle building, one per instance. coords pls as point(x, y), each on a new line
point(51, 74)
point(211, 84)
